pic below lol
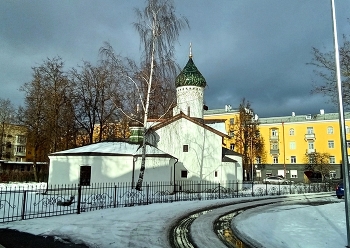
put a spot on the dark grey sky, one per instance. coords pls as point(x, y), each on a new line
point(244, 48)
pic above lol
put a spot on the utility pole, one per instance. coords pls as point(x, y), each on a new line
point(342, 124)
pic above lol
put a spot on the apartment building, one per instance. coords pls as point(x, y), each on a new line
point(289, 140)
point(13, 142)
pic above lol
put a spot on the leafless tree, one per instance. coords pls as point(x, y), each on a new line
point(94, 98)
point(158, 27)
point(247, 137)
point(318, 162)
point(7, 115)
point(47, 110)
point(324, 63)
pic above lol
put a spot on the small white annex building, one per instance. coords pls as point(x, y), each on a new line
point(181, 148)
point(106, 162)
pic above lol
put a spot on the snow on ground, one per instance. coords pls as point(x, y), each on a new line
point(296, 225)
point(147, 226)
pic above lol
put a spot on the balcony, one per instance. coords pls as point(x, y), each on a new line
point(20, 154)
point(310, 136)
point(308, 151)
point(273, 138)
point(274, 151)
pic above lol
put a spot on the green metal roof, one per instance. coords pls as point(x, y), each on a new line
point(190, 76)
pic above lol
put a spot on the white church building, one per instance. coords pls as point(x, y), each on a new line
point(181, 148)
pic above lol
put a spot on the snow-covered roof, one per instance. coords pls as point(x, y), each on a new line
point(113, 149)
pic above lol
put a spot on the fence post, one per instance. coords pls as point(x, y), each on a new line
point(237, 188)
point(79, 199)
point(115, 196)
point(147, 191)
point(219, 192)
point(252, 188)
point(24, 205)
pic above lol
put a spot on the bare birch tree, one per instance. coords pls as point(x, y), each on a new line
point(158, 27)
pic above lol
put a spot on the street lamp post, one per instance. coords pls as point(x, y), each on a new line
point(342, 124)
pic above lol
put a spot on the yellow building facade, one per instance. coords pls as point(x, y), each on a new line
point(289, 139)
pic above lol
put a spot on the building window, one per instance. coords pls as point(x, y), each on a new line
point(274, 146)
point(331, 144)
point(332, 174)
point(291, 132)
point(232, 146)
point(293, 174)
point(331, 159)
point(292, 145)
point(311, 145)
point(232, 121)
point(20, 149)
point(275, 160)
point(347, 129)
point(21, 139)
point(348, 144)
point(310, 130)
point(258, 160)
point(274, 133)
point(293, 159)
point(329, 130)
point(185, 148)
point(215, 174)
point(231, 134)
point(184, 174)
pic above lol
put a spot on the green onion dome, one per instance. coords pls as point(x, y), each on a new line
point(190, 76)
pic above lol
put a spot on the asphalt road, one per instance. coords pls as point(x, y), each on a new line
point(15, 239)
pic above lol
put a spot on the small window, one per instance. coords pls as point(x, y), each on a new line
point(347, 129)
point(310, 130)
point(184, 174)
point(311, 145)
point(292, 145)
point(329, 130)
point(293, 159)
point(258, 160)
point(348, 144)
point(231, 134)
point(232, 146)
point(291, 132)
point(275, 160)
point(215, 174)
point(293, 174)
point(331, 144)
point(331, 159)
point(232, 121)
point(274, 132)
point(185, 148)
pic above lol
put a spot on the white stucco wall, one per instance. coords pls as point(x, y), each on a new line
point(205, 149)
point(104, 169)
point(189, 98)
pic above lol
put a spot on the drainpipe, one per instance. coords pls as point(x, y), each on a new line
point(174, 174)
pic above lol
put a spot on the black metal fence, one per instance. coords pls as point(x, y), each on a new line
point(36, 201)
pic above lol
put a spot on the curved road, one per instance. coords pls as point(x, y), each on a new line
point(197, 230)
